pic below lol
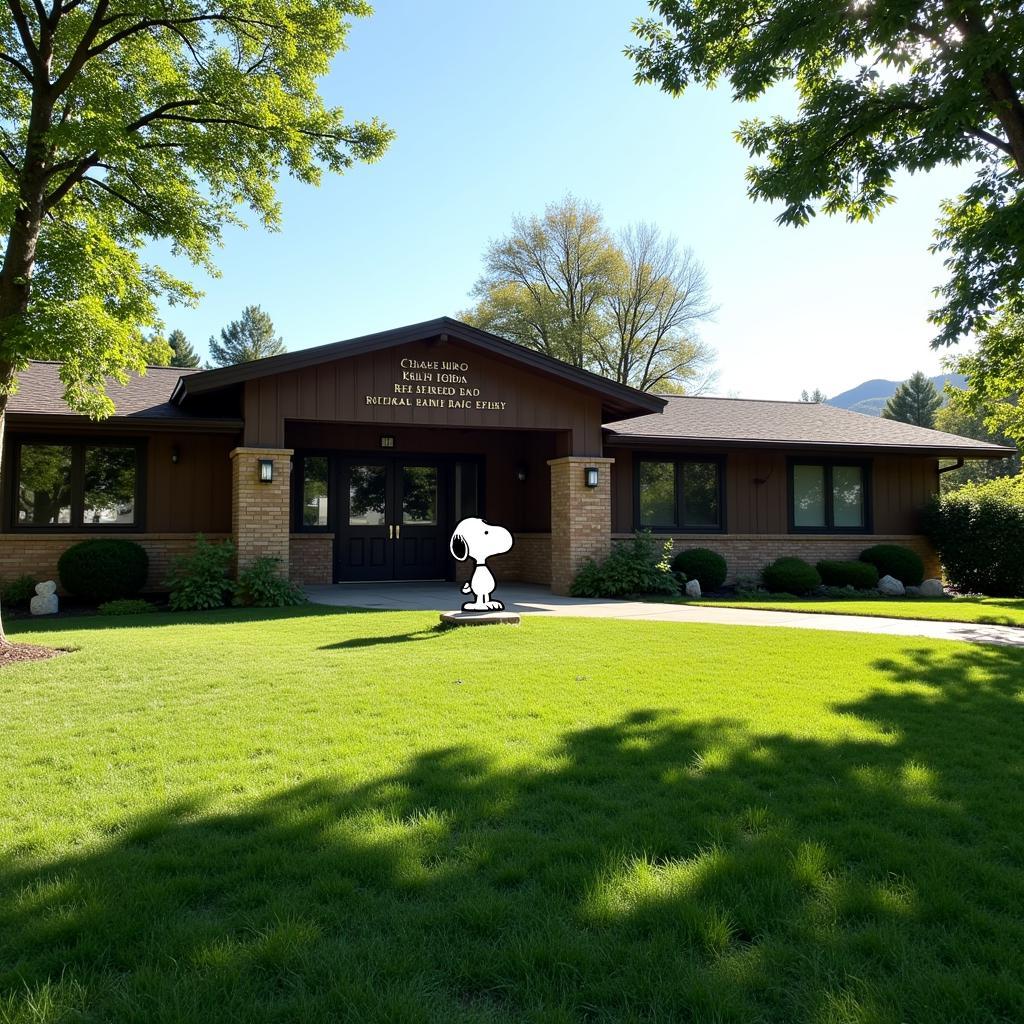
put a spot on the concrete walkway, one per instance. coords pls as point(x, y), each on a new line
point(533, 600)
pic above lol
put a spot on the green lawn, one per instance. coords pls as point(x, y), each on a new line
point(325, 816)
point(999, 611)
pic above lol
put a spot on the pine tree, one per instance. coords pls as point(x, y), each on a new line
point(184, 354)
point(816, 396)
point(915, 401)
point(246, 339)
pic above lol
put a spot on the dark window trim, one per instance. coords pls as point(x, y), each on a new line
point(680, 507)
point(297, 525)
point(864, 465)
point(77, 444)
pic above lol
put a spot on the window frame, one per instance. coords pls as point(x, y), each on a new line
point(678, 462)
point(298, 477)
point(828, 465)
point(78, 445)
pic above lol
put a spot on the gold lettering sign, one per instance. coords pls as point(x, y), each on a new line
point(435, 384)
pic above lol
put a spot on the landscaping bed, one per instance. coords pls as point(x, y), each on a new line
point(315, 814)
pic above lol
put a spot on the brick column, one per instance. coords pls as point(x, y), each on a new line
point(260, 512)
point(581, 517)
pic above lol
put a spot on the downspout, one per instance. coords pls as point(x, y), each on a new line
point(956, 465)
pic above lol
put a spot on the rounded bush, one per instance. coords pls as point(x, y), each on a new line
point(705, 566)
point(896, 561)
point(104, 569)
point(859, 575)
point(790, 576)
point(977, 532)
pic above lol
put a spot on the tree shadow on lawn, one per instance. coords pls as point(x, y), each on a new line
point(645, 870)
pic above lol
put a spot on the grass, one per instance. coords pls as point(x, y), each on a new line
point(318, 815)
point(997, 611)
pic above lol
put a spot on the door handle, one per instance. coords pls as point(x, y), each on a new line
point(391, 532)
point(398, 531)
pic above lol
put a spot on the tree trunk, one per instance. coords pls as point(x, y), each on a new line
point(3, 428)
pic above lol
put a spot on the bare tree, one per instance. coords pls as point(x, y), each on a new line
point(625, 307)
point(661, 297)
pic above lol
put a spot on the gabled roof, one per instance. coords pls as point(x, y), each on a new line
point(143, 400)
point(617, 399)
point(745, 422)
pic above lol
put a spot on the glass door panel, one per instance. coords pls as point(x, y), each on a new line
point(367, 495)
point(419, 495)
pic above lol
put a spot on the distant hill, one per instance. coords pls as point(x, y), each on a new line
point(871, 396)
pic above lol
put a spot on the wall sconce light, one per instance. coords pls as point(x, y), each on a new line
point(521, 473)
point(266, 471)
point(175, 454)
point(387, 440)
point(591, 476)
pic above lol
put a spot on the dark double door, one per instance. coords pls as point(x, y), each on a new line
point(392, 519)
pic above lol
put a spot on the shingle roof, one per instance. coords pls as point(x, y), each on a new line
point(738, 422)
point(146, 397)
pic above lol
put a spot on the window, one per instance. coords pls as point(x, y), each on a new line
point(314, 491)
point(829, 496)
point(81, 485)
point(679, 494)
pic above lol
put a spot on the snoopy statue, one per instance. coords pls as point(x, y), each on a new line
point(478, 539)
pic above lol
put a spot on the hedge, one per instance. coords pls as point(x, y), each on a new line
point(705, 566)
point(978, 532)
point(859, 575)
point(104, 569)
point(897, 561)
point(790, 576)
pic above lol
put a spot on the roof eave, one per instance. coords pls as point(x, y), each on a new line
point(940, 451)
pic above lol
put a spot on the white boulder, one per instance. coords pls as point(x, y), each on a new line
point(45, 602)
point(693, 588)
point(891, 587)
point(932, 588)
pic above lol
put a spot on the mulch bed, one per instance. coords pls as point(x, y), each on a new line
point(12, 653)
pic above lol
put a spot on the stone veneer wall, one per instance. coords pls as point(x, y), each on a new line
point(748, 553)
point(36, 554)
point(260, 519)
point(581, 517)
point(311, 559)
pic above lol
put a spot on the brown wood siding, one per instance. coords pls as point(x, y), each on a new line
point(193, 494)
point(336, 392)
point(757, 489)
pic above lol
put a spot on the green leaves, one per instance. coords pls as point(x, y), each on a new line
point(882, 86)
point(159, 119)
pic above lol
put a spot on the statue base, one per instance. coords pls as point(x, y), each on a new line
point(461, 618)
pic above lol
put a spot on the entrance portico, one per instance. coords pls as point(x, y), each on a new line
point(379, 446)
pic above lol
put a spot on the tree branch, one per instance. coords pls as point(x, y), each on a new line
point(24, 31)
point(15, 63)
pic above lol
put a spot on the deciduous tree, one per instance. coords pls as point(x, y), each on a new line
point(625, 306)
point(124, 122)
point(881, 87)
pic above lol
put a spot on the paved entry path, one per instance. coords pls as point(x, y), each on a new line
point(533, 600)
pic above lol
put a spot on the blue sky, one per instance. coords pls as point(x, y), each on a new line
point(500, 108)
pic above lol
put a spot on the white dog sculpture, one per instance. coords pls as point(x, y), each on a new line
point(478, 539)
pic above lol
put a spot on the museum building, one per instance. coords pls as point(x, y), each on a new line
point(354, 460)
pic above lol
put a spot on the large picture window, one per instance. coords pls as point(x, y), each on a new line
point(76, 486)
point(679, 494)
point(829, 497)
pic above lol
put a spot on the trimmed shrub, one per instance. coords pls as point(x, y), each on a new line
point(790, 576)
point(18, 592)
point(103, 569)
point(126, 606)
point(633, 567)
point(978, 531)
point(859, 575)
point(705, 566)
point(896, 561)
point(261, 585)
point(200, 580)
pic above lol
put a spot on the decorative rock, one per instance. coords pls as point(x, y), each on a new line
point(693, 588)
point(932, 588)
point(913, 591)
point(479, 619)
point(891, 587)
point(45, 602)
